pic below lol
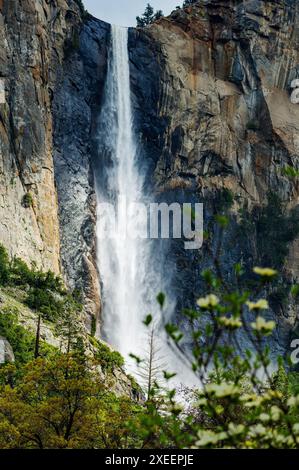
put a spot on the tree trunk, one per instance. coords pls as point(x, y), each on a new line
point(149, 386)
point(37, 338)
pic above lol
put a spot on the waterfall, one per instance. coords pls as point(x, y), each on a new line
point(120, 260)
point(130, 267)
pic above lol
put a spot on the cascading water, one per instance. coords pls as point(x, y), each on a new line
point(130, 273)
point(120, 257)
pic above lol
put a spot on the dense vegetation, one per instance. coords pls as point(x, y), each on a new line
point(45, 293)
point(63, 400)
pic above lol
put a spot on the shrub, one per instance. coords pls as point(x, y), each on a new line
point(252, 125)
point(46, 290)
point(107, 358)
point(27, 200)
point(21, 340)
point(44, 301)
point(20, 274)
point(4, 266)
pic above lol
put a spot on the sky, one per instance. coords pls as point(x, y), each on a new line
point(124, 12)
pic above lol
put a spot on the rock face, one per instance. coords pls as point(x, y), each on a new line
point(219, 112)
point(50, 79)
point(76, 105)
point(6, 351)
point(211, 87)
point(29, 229)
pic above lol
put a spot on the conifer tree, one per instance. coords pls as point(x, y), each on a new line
point(187, 3)
point(151, 368)
point(148, 17)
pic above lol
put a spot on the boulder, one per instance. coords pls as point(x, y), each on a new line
point(6, 351)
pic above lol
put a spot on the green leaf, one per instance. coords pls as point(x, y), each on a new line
point(148, 320)
point(191, 314)
point(173, 332)
point(290, 172)
point(210, 279)
point(168, 375)
point(136, 358)
point(239, 269)
point(161, 299)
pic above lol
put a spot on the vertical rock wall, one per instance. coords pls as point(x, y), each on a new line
point(212, 86)
point(52, 69)
point(76, 107)
point(29, 229)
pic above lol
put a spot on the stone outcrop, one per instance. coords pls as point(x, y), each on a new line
point(6, 351)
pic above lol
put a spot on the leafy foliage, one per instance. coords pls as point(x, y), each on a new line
point(27, 200)
point(21, 340)
point(4, 266)
point(290, 172)
point(45, 291)
point(62, 403)
point(44, 301)
point(108, 359)
point(65, 401)
point(69, 325)
point(238, 402)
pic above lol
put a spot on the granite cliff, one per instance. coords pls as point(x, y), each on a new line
point(51, 67)
point(211, 89)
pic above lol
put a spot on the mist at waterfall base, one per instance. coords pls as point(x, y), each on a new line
point(131, 269)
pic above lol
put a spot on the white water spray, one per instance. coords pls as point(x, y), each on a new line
point(120, 257)
point(131, 276)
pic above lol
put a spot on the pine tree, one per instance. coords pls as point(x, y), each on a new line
point(187, 3)
point(151, 368)
point(158, 14)
point(4, 264)
point(148, 17)
point(69, 325)
point(37, 337)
